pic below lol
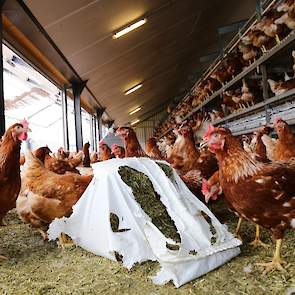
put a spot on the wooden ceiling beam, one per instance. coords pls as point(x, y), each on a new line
point(35, 57)
point(10, 31)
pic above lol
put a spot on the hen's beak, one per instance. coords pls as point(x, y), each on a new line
point(207, 197)
point(27, 129)
point(203, 144)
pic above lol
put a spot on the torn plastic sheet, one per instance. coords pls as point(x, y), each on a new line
point(137, 238)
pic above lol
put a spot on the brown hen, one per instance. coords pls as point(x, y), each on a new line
point(132, 146)
point(152, 149)
point(86, 159)
point(118, 151)
point(186, 157)
point(105, 152)
point(285, 145)
point(260, 148)
point(55, 165)
point(46, 195)
point(262, 193)
point(10, 181)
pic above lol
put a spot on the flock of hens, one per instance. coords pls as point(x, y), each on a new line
point(273, 27)
point(254, 174)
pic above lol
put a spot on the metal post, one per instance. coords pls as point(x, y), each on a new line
point(2, 105)
point(77, 90)
point(265, 91)
point(65, 123)
point(95, 133)
point(100, 129)
point(99, 113)
point(92, 132)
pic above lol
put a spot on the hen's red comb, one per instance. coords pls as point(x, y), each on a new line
point(277, 120)
point(209, 131)
point(25, 123)
point(101, 142)
point(114, 146)
point(205, 187)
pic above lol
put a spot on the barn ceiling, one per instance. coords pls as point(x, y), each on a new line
point(163, 54)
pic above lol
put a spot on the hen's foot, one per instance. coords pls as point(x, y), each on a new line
point(257, 243)
point(276, 261)
point(275, 264)
point(264, 49)
point(65, 241)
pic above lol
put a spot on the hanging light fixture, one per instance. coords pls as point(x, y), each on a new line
point(129, 28)
point(135, 111)
point(134, 88)
point(135, 122)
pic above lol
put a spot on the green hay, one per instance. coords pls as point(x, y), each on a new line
point(212, 228)
point(149, 201)
point(172, 247)
point(38, 267)
point(118, 256)
point(167, 170)
point(114, 220)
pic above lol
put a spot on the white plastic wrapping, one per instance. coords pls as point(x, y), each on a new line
point(89, 225)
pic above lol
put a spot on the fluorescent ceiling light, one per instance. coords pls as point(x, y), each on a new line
point(129, 28)
point(133, 89)
point(135, 111)
point(134, 122)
